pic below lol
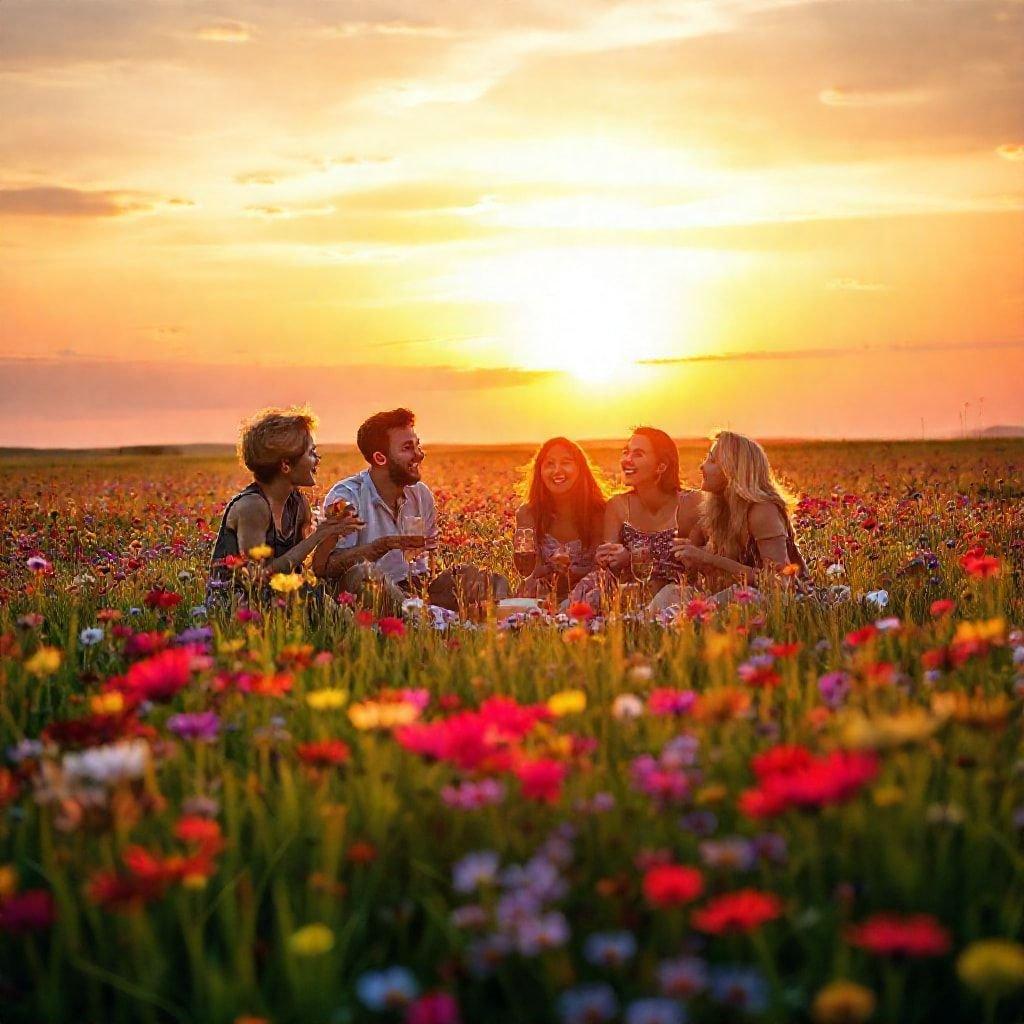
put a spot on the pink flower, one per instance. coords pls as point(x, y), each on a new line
point(541, 779)
point(433, 1008)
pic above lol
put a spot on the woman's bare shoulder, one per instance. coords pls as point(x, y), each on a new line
point(765, 519)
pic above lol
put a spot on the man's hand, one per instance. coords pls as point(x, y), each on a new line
point(382, 545)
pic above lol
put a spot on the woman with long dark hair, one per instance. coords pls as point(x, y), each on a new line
point(641, 523)
point(558, 526)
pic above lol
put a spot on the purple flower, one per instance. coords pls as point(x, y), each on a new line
point(683, 977)
point(742, 988)
point(655, 1011)
point(537, 934)
point(475, 870)
point(200, 726)
point(609, 949)
point(732, 853)
point(834, 687)
point(588, 1004)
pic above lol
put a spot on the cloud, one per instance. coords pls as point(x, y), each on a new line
point(348, 30)
point(55, 201)
point(273, 211)
point(873, 97)
point(71, 388)
point(855, 352)
point(261, 177)
point(224, 30)
point(1011, 151)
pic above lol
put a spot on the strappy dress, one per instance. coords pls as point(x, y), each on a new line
point(660, 542)
point(279, 541)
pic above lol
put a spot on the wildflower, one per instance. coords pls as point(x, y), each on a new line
point(116, 762)
point(541, 779)
point(683, 977)
point(671, 885)
point(38, 564)
point(881, 732)
point(567, 702)
point(834, 688)
point(91, 636)
point(326, 699)
point(390, 989)
point(286, 582)
point(980, 566)
point(389, 625)
point(324, 754)
point(27, 911)
point(732, 854)
point(743, 988)
point(44, 662)
point(202, 726)
point(940, 609)
point(627, 706)
point(475, 870)
point(894, 935)
point(160, 677)
point(759, 672)
point(807, 782)
point(993, 967)
point(311, 940)
point(667, 701)
point(537, 934)
point(261, 552)
point(609, 949)
point(878, 598)
point(655, 1011)
point(594, 1003)
point(470, 795)
point(433, 1008)
point(581, 611)
point(383, 714)
point(843, 1002)
point(163, 599)
point(742, 911)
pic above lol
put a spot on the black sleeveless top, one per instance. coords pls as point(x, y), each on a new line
point(279, 542)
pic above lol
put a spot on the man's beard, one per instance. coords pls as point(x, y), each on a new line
point(401, 477)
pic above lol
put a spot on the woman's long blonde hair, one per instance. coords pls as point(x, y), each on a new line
point(749, 480)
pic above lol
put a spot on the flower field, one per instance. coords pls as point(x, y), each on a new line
point(778, 811)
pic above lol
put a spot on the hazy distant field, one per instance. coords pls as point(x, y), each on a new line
point(775, 812)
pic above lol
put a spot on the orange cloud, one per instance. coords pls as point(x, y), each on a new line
point(224, 30)
point(55, 201)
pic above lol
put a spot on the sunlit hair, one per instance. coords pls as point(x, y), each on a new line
point(748, 480)
point(372, 435)
point(664, 451)
point(273, 436)
point(588, 495)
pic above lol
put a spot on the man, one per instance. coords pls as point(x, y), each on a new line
point(399, 517)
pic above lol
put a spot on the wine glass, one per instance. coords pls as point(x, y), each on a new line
point(413, 528)
point(524, 551)
point(641, 561)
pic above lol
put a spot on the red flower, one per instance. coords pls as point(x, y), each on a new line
point(141, 645)
point(785, 650)
point(979, 565)
point(276, 684)
point(699, 609)
point(818, 782)
point(781, 759)
point(203, 832)
point(27, 911)
point(391, 626)
point(159, 678)
point(943, 607)
point(541, 779)
point(741, 911)
point(160, 598)
point(861, 636)
point(581, 610)
point(669, 885)
point(346, 599)
point(896, 935)
point(324, 754)
point(364, 618)
point(433, 1008)
point(124, 894)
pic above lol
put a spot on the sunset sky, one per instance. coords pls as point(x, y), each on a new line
point(518, 217)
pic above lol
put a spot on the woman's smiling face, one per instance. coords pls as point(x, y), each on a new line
point(639, 463)
point(559, 470)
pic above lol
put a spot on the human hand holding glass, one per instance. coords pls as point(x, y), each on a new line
point(641, 561)
point(524, 551)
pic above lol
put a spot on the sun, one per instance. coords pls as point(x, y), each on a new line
point(589, 313)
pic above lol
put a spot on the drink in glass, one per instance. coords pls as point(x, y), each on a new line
point(524, 551)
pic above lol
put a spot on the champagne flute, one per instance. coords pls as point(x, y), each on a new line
point(524, 551)
point(641, 561)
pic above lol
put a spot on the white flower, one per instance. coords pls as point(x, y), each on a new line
point(627, 706)
point(888, 625)
point(89, 637)
point(835, 569)
point(112, 763)
point(879, 598)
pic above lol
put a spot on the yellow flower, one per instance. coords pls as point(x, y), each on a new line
point(312, 940)
point(376, 714)
point(8, 880)
point(711, 794)
point(575, 635)
point(977, 710)
point(989, 630)
point(194, 882)
point(285, 582)
point(992, 966)
point(567, 702)
point(231, 646)
point(327, 699)
point(843, 1002)
point(859, 732)
point(261, 552)
point(107, 703)
point(44, 662)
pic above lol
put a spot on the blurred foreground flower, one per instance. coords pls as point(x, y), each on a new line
point(993, 967)
point(311, 940)
point(44, 662)
point(843, 1002)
